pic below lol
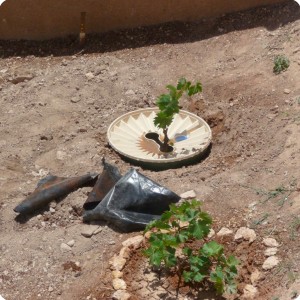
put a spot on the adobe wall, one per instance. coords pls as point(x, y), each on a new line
point(44, 19)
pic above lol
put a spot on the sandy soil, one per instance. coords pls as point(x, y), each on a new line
point(57, 101)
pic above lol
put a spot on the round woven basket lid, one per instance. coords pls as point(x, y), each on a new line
point(189, 136)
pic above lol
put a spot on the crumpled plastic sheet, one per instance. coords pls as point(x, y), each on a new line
point(133, 202)
point(129, 202)
point(108, 178)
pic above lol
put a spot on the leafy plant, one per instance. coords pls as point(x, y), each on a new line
point(174, 232)
point(168, 105)
point(281, 63)
point(294, 228)
point(281, 192)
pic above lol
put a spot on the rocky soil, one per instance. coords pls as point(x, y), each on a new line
point(57, 101)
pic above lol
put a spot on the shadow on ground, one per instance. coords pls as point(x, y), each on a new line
point(270, 17)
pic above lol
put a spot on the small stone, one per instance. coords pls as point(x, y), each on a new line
point(188, 195)
point(116, 274)
point(119, 284)
point(224, 231)
point(75, 99)
point(270, 242)
point(271, 251)
point(250, 292)
point(255, 277)
point(71, 243)
point(65, 248)
point(117, 263)
point(211, 233)
point(111, 243)
point(124, 252)
point(121, 295)
point(50, 289)
point(21, 78)
point(245, 234)
point(89, 75)
point(287, 91)
point(52, 210)
point(88, 230)
point(129, 93)
point(270, 263)
point(97, 230)
point(61, 155)
point(133, 242)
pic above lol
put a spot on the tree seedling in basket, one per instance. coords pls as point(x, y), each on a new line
point(168, 105)
point(176, 230)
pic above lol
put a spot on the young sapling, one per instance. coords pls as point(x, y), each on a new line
point(168, 105)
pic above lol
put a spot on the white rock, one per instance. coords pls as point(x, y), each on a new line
point(124, 252)
point(121, 295)
point(250, 292)
point(50, 289)
point(287, 91)
point(270, 242)
point(89, 75)
point(255, 277)
point(117, 263)
point(211, 233)
point(97, 230)
point(271, 251)
point(89, 230)
point(133, 242)
point(65, 248)
point(129, 93)
point(188, 195)
point(245, 234)
point(61, 155)
point(270, 263)
point(119, 284)
point(116, 274)
point(224, 231)
point(71, 243)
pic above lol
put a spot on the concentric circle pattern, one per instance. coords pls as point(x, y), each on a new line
point(189, 135)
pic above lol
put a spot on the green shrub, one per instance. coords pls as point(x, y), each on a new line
point(281, 63)
point(176, 229)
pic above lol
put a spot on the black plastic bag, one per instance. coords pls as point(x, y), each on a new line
point(133, 202)
point(108, 178)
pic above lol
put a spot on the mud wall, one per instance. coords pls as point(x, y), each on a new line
point(44, 19)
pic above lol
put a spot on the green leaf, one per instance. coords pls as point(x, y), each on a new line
point(162, 120)
point(198, 277)
point(199, 229)
point(169, 240)
point(183, 236)
point(173, 91)
point(187, 251)
point(187, 276)
point(232, 261)
point(181, 83)
point(169, 257)
point(212, 249)
point(163, 101)
point(166, 216)
point(155, 257)
point(160, 224)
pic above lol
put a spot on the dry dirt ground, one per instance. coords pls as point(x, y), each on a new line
point(57, 101)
